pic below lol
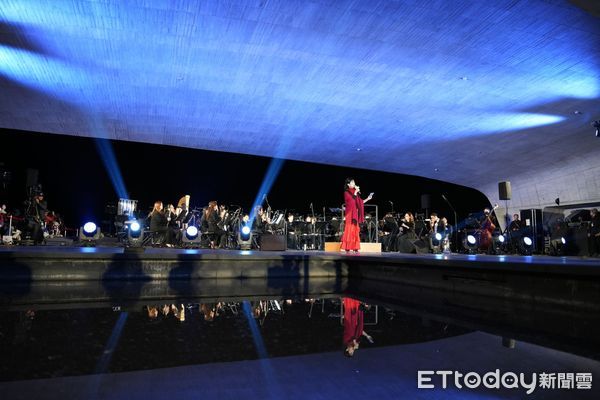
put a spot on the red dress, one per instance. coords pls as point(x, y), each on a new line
point(353, 321)
point(355, 214)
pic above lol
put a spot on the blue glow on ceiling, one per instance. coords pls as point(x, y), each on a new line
point(302, 80)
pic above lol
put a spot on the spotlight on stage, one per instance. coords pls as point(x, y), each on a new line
point(526, 246)
point(245, 238)
point(470, 244)
point(498, 244)
point(89, 233)
point(558, 246)
point(191, 237)
point(438, 236)
point(135, 234)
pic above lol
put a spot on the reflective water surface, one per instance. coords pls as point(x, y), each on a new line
point(274, 342)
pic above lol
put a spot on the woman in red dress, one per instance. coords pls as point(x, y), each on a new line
point(355, 214)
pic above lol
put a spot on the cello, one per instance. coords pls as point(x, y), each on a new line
point(485, 230)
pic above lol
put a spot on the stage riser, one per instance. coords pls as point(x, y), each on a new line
point(133, 295)
point(128, 269)
point(548, 288)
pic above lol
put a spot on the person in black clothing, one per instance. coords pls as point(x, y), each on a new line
point(407, 236)
point(210, 225)
point(594, 233)
point(389, 232)
point(158, 224)
point(35, 218)
point(515, 232)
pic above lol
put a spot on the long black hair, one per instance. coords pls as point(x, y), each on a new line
point(348, 180)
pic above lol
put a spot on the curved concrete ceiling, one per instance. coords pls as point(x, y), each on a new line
point(469, 92)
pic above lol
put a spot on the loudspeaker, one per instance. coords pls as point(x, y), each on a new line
point(31, 177)
point(425, 201)
point(273, 243)
point(421, 246)
point(59, 241)
point(504, 191)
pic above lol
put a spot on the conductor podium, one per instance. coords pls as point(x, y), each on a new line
point(364, 247)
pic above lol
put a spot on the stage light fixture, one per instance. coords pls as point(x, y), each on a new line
point(498, 244)
point(526, 246)
point(191, 237)
point(135, 234)
point(245, 238)
point(470, 244)
point(89, 233)
point(438, 236)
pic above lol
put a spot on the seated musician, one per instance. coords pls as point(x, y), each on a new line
point(389, 232)
point(158, 224)
point(435, 226)
point(210, 225)
point(406, 234)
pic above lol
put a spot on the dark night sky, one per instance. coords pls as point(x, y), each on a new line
point(77, 185)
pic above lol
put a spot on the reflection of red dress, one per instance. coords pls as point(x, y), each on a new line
point(353, 320)
point(355, 214)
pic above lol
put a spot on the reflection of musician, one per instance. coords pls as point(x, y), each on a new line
point(355, 214)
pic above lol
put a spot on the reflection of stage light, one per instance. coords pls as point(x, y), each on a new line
point(245, 238)
point(563, 241)
point(89, 233)
point(191, 238)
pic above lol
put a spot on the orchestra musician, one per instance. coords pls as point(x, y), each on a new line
point(389, 231)
point(354, 216)
point(158, 224)
point(515, 231)
point(435, 226)
point(210, 225)
point(292, 238)
point(486, 230)
point(406, 235)
point(36, 216)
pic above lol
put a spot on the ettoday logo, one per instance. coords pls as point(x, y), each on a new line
point(507, 380)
